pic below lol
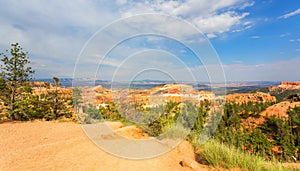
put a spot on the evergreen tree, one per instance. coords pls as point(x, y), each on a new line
point(57, 100)
point(4, 96)
point(16, 73)
point(28, 106)
point(77, 99)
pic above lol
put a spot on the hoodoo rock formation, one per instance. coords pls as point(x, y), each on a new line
point(286, 86)
point(284, 83)
point(250, 97)
point(148, 97)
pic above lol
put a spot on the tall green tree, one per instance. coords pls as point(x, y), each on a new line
point(55, 97)
point(77, 99)
point(16, 73)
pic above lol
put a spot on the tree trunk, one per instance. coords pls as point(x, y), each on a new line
point(12, 104)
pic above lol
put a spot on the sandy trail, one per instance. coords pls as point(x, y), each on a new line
point(65, 146)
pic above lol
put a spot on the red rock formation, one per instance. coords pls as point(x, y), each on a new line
point(157, 95)
point(284, 85)
point(250, 97)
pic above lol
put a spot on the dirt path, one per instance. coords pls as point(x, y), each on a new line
point(64, 146)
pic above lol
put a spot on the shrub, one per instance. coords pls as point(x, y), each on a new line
point(229, 157)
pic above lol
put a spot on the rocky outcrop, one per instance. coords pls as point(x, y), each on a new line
point(284, 83)
point(149, 97)
point(286, 86)
point(191, 163)
point(250, 97)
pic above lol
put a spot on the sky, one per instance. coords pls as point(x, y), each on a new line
point(216, 40)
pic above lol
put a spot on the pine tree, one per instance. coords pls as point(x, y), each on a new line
point(4, 96)
point(16, 73)
point(77, 99)
point(57, 101)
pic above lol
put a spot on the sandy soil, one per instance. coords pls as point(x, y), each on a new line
point(64, 146)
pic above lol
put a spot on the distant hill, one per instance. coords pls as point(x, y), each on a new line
point(280, 90)
point(231, 87)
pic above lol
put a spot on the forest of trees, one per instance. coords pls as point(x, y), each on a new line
point(276, 137)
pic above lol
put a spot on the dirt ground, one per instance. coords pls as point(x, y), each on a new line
point(64, 146)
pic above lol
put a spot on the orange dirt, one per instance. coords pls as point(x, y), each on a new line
point(132, 132)
point(64, 146)
point(280, 109)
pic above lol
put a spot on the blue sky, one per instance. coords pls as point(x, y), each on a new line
point(254, 40)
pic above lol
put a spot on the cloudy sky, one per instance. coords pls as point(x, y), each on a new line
point(250, 40)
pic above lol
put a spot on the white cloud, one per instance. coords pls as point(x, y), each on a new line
point(109, 62)
point(218, 23)
point(121, 2)
point(276, 71)
point(210, 16)
point(295, 40)
point(247, 4)
point(211, 35)
point(246, 25)
point(280, 70)
point(145, 62)
point(255, 37)
point(296, 12)
point(54, 32)
point(285, 35)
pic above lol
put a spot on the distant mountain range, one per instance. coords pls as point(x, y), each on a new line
point(231, 87)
